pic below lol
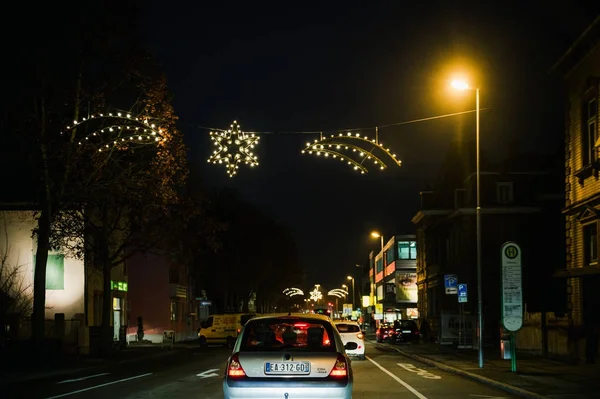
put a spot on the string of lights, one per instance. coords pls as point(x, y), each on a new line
point(344, 130)
point(116, 130)
point(334, 145)
point(233, 146)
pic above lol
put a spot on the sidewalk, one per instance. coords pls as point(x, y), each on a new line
point(535, 377)
point(28, 369)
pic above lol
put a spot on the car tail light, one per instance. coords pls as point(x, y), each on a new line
point(360, 335)
point(234, 368)
point(340, 368)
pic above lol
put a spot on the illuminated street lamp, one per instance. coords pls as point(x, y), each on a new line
point(377, 235)
point(352, 278)
point(461, 85)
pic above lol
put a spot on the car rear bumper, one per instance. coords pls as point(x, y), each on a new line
point(294, 389)
point(356, 352)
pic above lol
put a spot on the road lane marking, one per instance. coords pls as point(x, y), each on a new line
point(82, 378)
point(99, 386)
point(404, 384)
point(420, 372)
point(208, 373)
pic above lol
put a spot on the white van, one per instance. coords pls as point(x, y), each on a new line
point(222, 329)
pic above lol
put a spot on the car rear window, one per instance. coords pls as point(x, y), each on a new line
point(288, 333)
point(346, 328)
point(407, 324)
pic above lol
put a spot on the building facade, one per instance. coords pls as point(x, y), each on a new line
point(392, 271)
point(161, 294)
point(521, 201)
point(580, 67)
point(74, 287)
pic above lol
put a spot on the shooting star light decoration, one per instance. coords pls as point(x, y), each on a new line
point(338, 292)
point(360, 150)
point(293, 292)
point(233, 147)
point(120, 130)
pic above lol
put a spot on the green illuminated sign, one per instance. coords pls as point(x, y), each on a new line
point(118, 286)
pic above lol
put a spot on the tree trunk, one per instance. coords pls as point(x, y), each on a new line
point(38, 320)
point(107, 336)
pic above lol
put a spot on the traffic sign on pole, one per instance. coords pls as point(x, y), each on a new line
point(512, 287)
point(450, 283)
point(462, 293)
point(512, 295)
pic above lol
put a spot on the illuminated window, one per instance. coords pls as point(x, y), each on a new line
point(379, 265)
point(173, 311)
point(55, 271)
point(407, 250)
point(389, 256)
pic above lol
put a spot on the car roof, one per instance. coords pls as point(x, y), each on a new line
point(283, 315)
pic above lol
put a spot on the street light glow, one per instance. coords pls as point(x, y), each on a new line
point(375, 234)
point(350, 277)
point(459, 85)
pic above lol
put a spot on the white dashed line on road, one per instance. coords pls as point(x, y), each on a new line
point(99, 386)
point(82, 378)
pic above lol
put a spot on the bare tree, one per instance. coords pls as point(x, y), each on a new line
point(127, 195)
point(15, 293)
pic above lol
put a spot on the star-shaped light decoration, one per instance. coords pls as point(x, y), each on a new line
point(316, 295)
point(233, 146)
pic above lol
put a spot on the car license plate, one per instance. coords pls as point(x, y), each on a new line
point(406, 331)
point(287, 367)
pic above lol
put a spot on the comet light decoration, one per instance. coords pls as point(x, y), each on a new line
point(293, 292)
point(355, 150)
point(338, 292)
point(119, 130)
point(316, 294)
point(233, 147)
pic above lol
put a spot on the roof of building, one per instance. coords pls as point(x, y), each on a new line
point(581, 47)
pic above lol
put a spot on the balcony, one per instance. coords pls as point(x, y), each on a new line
point(177, 291)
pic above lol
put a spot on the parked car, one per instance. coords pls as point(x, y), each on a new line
point(295, 355)
point(222, 329)
point(385, 333)
point(406, 331)
point(350, 332)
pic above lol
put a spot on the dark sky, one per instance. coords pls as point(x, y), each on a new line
point(286, 66)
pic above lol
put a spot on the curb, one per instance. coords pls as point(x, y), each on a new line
point(472, 376)
point(6, 380)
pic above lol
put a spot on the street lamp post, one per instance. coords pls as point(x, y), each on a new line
point(353, 296)
point(464, 86)
point(377, 235)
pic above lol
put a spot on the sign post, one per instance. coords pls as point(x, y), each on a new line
point(462, 299)
point(512, 295)
point(462, 293)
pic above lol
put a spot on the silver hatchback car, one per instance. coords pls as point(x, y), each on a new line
point(289, 356)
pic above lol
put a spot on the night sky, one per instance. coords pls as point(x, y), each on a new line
point(277, 67)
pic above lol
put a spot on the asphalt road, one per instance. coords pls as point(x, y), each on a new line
point(197, 373)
